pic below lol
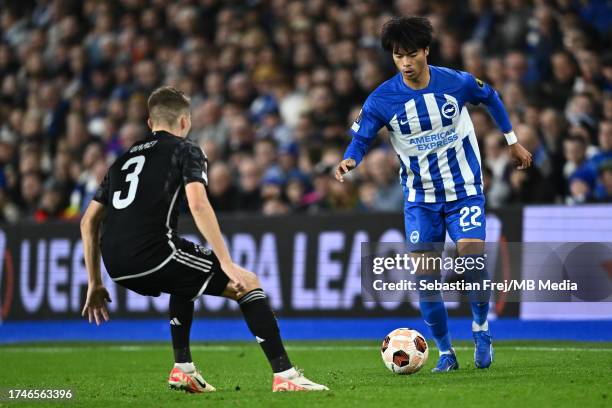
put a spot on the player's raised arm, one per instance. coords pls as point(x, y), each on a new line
point(481, 92)
point(97, 295)
point(364, 130)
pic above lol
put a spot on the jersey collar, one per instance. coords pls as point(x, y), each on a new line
point(426, 89)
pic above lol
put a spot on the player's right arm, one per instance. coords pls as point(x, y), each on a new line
point(97, 295)
point(364, 130)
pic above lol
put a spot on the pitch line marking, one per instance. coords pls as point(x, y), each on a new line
point(70, 349)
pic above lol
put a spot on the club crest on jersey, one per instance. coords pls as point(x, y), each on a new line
point(414, 236)
point(202, 250)
point(450, 110)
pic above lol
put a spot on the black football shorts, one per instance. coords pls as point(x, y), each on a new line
point(189, 272)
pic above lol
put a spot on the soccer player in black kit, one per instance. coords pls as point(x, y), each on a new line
point(135, 209)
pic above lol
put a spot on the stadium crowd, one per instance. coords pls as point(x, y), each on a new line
point(276, 84)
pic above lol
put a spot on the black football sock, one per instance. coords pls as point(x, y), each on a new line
point(262, 323)
point(181, 316)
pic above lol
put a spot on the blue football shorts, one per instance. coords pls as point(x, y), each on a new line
point(426, 224)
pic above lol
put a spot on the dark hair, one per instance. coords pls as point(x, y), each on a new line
point(576, 138)
point(406, 33)
point(166, 104)
point(267, 140)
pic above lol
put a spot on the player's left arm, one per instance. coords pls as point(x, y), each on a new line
point(481, 92)
point(194, 169)
point(97, 295)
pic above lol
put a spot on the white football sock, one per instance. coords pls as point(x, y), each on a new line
point(186, 367)
point(480, 327)
point(290, 373)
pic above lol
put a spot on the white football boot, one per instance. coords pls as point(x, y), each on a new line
point(294, 380)
point(190, 382)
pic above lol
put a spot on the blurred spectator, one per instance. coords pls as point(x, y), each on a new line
point(274, 90)
point(271, 188)
point(319, 199)
point(584, 185)
point(223, 195)
point(208, 124)
point(266, 154)
point(498, 164)
point(530, 139)
point(605, 181)
point(389, 195)
point(533, 184)
point(450, 50)
point(287, 159)
point(556, 91)
point(129, 134)
point(343, 196)
point(241, 133)
point(52, 206)
point(552, 127)
point(250, 191)
point(31, 190)
point(296, 189)
point(275, 206)
point(271, 126)
point(574, 150)
point(367, 195)
point(581, 111)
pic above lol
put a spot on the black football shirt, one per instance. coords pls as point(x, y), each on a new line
point(141, 191)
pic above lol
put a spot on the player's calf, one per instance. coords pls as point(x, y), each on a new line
point(479, 303)
point(263, 325)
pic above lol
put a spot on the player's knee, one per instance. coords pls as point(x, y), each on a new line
point(251, 281)
point(469, 246)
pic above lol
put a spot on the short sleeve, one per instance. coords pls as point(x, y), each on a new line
point(194, 164)
point(102, 193)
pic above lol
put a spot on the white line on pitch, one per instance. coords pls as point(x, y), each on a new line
point(70, 349)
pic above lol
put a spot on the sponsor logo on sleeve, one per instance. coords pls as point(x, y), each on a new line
point(356, 124)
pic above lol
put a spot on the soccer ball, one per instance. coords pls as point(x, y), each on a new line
point(404, 351)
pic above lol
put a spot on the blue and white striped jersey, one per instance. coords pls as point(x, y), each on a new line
point(431, 131)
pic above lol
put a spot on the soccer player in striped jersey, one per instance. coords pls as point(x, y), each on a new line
point(424, 109)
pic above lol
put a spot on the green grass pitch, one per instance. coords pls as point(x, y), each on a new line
point(524, 374)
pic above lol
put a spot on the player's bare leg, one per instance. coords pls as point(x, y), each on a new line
point(479, 302)
point(262, 323)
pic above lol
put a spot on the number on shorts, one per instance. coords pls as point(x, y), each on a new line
point(465, 212)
